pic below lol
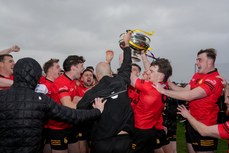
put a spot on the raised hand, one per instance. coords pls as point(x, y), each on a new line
point(15, 48)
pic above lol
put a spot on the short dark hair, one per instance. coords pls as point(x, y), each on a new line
point(211, 53)
point(91, 68)
point(49, 64)
point(87, 69)
point(164, 67)
point(72, 60)
point(3, 56)
point(134, 64)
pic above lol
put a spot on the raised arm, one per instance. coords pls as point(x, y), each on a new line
point(146, 64)
point(14, 48)
point(145, 61)
point(125, 69)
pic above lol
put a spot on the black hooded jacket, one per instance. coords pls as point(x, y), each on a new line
point(23, 112)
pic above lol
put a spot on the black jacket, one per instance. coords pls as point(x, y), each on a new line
point(24, 112)
point(117, 114)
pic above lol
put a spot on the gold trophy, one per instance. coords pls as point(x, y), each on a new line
point(139, 43)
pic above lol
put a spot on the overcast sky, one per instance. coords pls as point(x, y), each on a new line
point(47, 29)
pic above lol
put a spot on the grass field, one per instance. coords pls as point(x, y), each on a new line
point(181, 146)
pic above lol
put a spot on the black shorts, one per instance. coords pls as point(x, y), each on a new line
point(161, 139)
point(84, 133)
point(143, 140)
point(59, 139)
point(45, 136)
point(199, 142)
point(83, 136)
point(171, 135)
point(115, 144)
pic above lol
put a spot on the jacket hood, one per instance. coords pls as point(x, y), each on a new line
point(27, 72)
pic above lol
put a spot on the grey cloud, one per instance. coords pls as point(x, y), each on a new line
point(63, 27)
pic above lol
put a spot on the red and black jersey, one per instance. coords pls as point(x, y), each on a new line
point(48, 83)
point(62, 86)
point(9, 78)
point(224, 130)
point(133, 93)
point(159, 125)
point(206, 109)
point(149, 109)
point(81, 89)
